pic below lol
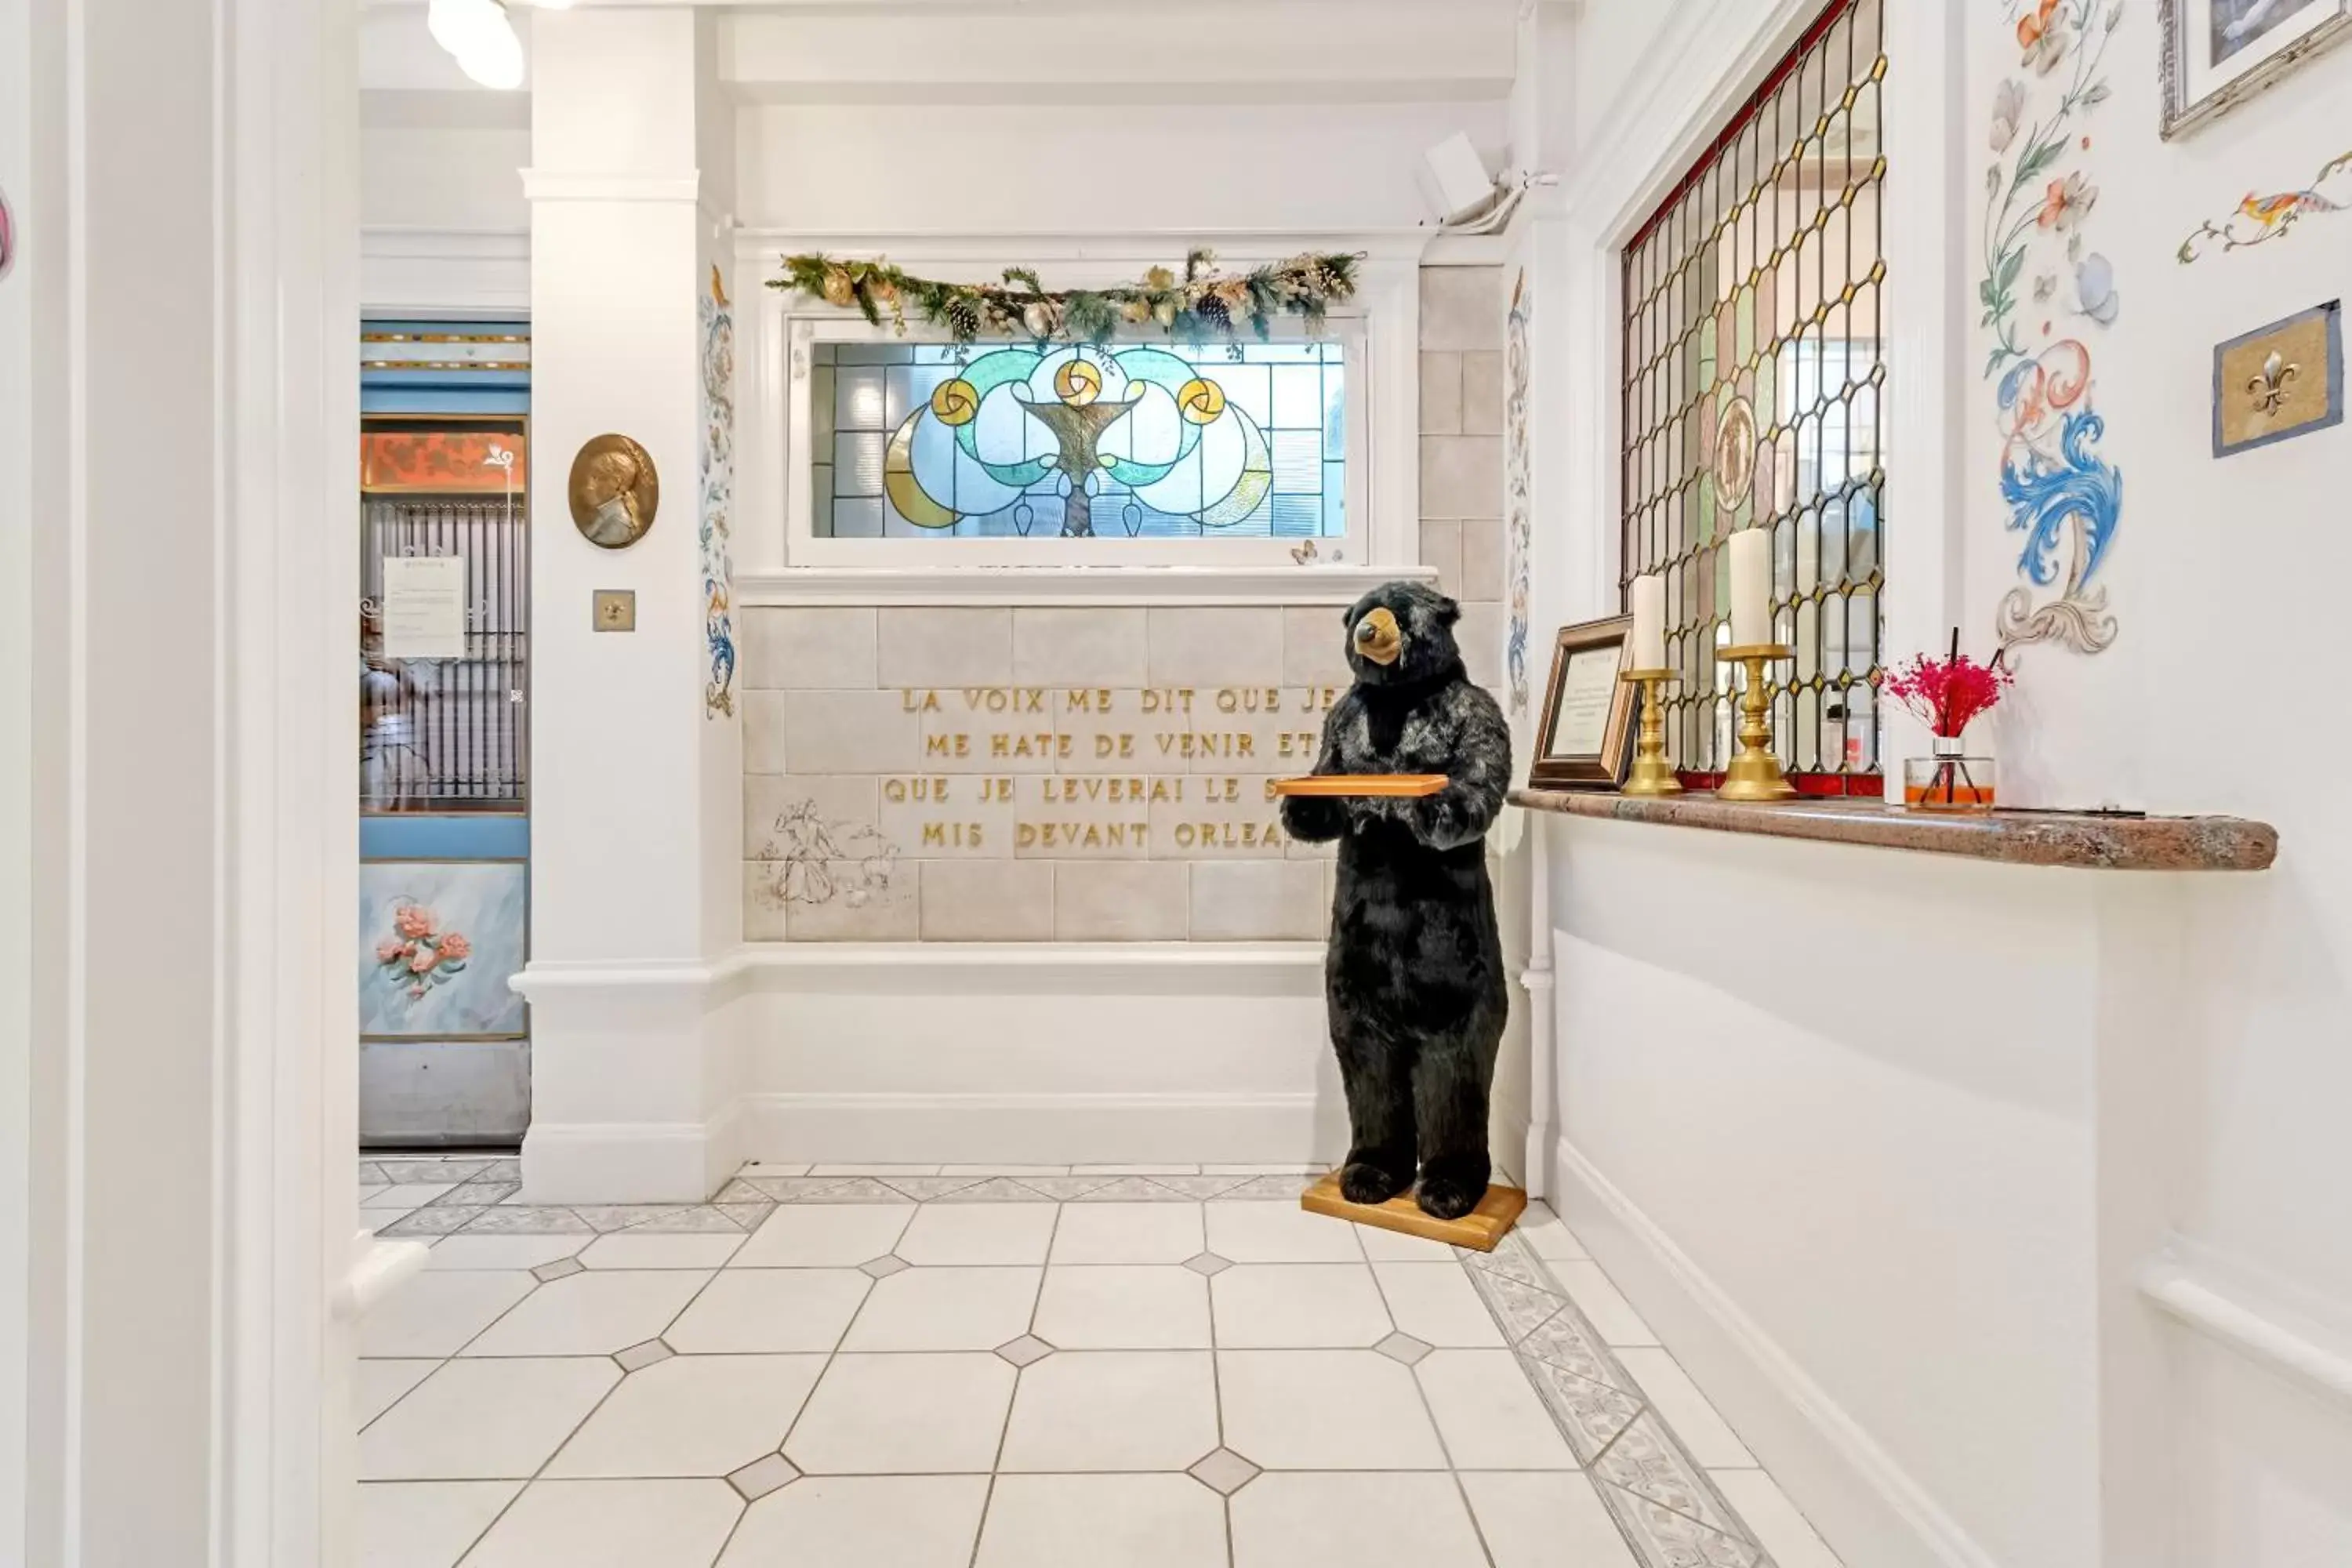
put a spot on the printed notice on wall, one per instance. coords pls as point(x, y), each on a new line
point(424, 607)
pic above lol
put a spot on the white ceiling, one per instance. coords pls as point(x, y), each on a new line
point(1015, 51)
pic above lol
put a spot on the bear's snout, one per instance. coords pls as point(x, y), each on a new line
point(1378, 638)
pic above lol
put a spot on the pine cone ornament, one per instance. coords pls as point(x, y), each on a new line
point(1214, 313)
point(963, 316)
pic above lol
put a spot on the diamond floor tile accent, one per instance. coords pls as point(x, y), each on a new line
point(595, 1313)
point(690, 1416)
point(998, 1366)
point(1223, 1471)
point(636, 1358)
point(760, 1477)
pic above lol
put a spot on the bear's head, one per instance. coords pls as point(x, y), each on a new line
point(1402, 634)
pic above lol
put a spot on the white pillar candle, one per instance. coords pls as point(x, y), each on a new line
point(1650, 622)
point(1751, 586)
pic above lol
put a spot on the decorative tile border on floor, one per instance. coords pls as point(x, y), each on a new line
point(1664, 1502)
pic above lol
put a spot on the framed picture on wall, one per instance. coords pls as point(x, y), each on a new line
point(1586, 738)
point(2220, 53)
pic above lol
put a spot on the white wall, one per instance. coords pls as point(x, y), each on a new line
point(1146, 167)
point(1719, 1104)
point(440, 178)
point(2244, 554)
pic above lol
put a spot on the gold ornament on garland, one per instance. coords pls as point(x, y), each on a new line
point(1202, 304)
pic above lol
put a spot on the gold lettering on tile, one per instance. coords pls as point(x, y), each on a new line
point(953, 835)
point(996, 789)
point(1191, 744)
point(1029, 748)
point(947, 745)
point(1110, 747)
point(1229, 835)
point(1085, 790)
point(1249, 699)
point(1004, 699)
point(1043, 836)
point(919, 701)
point(903, 792)
point(1168, 700)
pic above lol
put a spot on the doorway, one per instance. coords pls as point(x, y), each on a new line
point(445, 687)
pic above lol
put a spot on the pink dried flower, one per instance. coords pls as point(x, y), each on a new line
point(1945, 694)
point(422, 960)
point(455, 946)
point(391, 950)
point(413, 920)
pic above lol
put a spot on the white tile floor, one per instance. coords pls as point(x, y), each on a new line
point(923, 1366)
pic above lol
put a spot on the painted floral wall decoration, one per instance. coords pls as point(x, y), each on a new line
point(718, 497)
point(2047, 295)
point(2260, 218)
point(419, 955)
point(1518, 521)
point(438, 941)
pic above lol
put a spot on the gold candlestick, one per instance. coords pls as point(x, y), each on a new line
point(1755, 772)
point(1652, 774)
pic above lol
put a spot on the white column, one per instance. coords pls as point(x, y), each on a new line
point(635, 793)
point(179, 415)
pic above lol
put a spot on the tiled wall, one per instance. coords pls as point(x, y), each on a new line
point(1462, 453)
point(1032, 774)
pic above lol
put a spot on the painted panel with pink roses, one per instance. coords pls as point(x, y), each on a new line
point(437, 942)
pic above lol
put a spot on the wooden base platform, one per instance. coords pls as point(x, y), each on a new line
point(1479, 1230)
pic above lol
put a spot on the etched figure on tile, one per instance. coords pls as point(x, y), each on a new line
point(1414, 979)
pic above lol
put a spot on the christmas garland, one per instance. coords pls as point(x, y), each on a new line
point(1203, 304)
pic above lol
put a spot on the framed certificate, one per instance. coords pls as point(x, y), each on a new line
point(1586, 739)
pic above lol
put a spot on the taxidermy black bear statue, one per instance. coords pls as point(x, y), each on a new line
point(1415, 974)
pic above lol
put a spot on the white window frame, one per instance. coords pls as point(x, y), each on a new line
point(1379, 328)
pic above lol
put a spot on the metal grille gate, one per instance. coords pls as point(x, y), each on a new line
point(449, 734)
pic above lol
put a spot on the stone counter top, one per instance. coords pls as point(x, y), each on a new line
point(2083, 840)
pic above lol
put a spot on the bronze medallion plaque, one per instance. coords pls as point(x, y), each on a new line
point(614, 491)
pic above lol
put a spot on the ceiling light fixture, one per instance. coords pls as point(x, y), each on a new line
point(481, 37)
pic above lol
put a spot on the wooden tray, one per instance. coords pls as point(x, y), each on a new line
point(1479, 1230)
point(1407, 786)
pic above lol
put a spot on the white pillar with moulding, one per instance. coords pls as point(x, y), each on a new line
point(633, 854)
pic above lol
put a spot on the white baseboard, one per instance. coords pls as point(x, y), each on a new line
point(625, 1163)
point(2274, 1324)
point(1866, 1505)
point(1046, 1129)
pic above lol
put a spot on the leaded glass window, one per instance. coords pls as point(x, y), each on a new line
point(1755, 378)
point(1128, 440)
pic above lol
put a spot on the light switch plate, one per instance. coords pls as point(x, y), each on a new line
point(617, 610)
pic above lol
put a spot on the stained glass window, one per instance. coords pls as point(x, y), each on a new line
point(1130, 441)
point(1755, 373)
